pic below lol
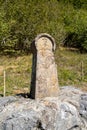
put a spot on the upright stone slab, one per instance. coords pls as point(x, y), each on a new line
point(44, 81)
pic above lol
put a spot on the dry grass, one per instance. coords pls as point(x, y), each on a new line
point(70, 68)
point(18, 71)
point(18, 74)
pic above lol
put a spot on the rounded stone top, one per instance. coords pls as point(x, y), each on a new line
point(45, 41)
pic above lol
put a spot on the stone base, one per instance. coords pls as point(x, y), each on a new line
point(65, 112)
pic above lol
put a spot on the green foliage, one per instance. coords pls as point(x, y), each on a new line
point(22, 20)
point(76, 26)
point(76, 3)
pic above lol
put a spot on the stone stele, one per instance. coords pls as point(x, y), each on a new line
point(44, 80)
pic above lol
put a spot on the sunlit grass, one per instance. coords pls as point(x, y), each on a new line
point(18, 74)
point(18, 71)
point(70, 69)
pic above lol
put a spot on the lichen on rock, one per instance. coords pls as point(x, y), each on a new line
point(68, 111)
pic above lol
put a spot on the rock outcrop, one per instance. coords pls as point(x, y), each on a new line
point(68, 111)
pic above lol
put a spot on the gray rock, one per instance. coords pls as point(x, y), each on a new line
point(83, 110)
point(68, 111)
point(5, 101)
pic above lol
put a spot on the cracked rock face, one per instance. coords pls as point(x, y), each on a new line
point(68, 111)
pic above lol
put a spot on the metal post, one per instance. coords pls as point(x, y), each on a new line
point(82, 72)
point(4, 83)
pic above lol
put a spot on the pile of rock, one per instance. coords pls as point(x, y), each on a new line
point(68, 111)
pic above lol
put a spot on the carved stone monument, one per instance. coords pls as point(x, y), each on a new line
point(44, 81)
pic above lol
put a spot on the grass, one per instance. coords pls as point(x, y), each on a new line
point(18, 71)
point(72, 68)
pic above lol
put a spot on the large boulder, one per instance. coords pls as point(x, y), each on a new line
point(68, 111)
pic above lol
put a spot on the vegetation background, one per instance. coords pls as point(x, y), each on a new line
point(22, 20)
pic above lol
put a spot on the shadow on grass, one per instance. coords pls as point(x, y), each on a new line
point(1, 95)
point(25, 95)
point(12, 53)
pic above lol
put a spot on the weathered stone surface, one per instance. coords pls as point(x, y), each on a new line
point(65, 112)
point(83, 109)
point(44, 71)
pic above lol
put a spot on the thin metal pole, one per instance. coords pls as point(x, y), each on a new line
point(4, 83)
point(82, 72)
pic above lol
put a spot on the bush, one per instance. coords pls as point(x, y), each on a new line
point(21, 21)
point(76, 27)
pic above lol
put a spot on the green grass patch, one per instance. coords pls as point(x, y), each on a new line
point(18, 71)
point(70, 69)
